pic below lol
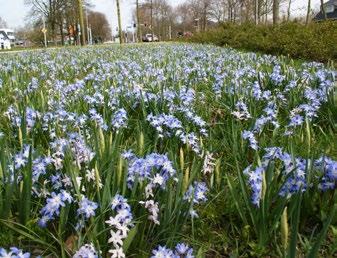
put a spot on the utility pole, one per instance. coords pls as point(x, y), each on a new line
point(119, 22)
point(80, 8)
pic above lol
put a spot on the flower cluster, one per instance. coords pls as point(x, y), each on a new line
point(181, 250)
point(153, 209)
point(294, 170)
point(155, 168)
point(53, 206)
point(248, 135)
point(14, 252)
point(241, 111)
point(329, 169)
point(87, 208)
point(21, 159)
point(255, 178)
point(119, 119)
point(169, 125)
point(196, 194)
point(87, 251)
point(208, 166)
point(121, 223)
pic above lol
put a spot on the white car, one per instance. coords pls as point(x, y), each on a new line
point(148, 38)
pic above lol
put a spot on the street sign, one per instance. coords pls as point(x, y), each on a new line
point(44, 30)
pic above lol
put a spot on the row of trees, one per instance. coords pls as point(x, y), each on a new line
point(157, 16)
point(66, 21)
point(72, 20)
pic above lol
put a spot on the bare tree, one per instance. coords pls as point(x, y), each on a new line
point(60, 15)
point(3, 23)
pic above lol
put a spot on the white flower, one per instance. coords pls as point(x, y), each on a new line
point(116, 238)
point(117, 253)
point(113, 221)
point(158, 179)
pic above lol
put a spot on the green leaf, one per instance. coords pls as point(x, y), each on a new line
point(131, 235)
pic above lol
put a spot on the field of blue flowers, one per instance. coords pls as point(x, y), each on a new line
point(166, 150)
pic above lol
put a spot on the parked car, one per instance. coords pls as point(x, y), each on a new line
point(148, 38)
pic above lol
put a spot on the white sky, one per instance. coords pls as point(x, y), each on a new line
point(14, 12)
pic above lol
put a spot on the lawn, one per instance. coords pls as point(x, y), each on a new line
point(166, 150)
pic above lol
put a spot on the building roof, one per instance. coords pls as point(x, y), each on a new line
point(4, 35)
point(329, 15)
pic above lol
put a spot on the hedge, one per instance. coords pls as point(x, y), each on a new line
point(316, 41)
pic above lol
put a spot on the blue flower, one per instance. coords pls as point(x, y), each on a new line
point(149, 167)
point(255, 179)
point(87, 251)
point(296, 120)
point(251, 138)
point(183, 250)
point(53, 206)
point(329, 169)
point(87, 208)
point(196, 193)
point(119, 119)
point(162, 252)
point(13, 253)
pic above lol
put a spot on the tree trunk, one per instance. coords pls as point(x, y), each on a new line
point(323, 10)
point(259, 6)
point(139, 31)
point(62, 34)
point(266, 13)
point(80, 13)
point(288, 12)
point(151, 14)
point(229, 14)
point(256, 12)
point(308, 12)
point(119, 22)
point(276, 7)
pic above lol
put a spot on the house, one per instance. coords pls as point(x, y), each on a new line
point(330, 8)
point(5, 42)
point(10, 35)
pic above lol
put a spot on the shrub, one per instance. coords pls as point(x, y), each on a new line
point(316, 41)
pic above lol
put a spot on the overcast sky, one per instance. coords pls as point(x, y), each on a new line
point(14, 12)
